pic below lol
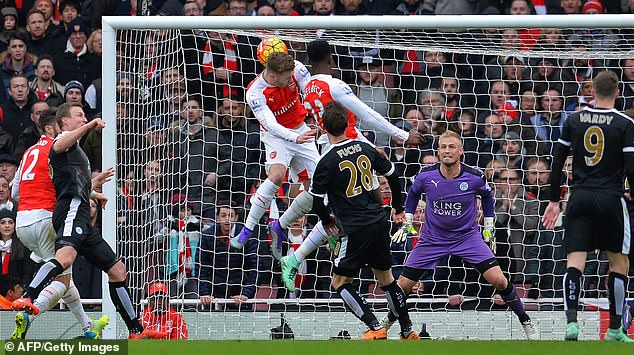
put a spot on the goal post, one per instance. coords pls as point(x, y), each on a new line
point(397, 33)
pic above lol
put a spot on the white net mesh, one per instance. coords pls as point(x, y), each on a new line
point(187, 144)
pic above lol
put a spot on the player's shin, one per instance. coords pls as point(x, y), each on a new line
point(397, 303)
point(617, 284)
point(73, 301)
point(50, 270)
point(316, 238)
point(358, 306)
point(121, 298)
point(260, 202)
point(510, 297)
point(50, 296)
point(300, 206)
point(572, 279)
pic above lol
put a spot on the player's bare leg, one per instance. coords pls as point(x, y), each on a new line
point(617, 288)
point(508, 292)
point(260, 202)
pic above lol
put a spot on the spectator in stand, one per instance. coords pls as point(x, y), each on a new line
point(46, 7)
point(9, 25)
point(40, 42)
point(580, 69)
point(597, 39)
point(43, 85)
point(499, 92)
point(16, 63)
point(198, 153)
point(548, 123)
point(224, 271)
point(627, 85)
point(237, 7)
point(15, 112)
point(410, 7)
point(528, 37)
point(191, 8)
point(406, 159)
point(31, 134)
point(450, 7)
point(238, 150)
point(159, 317)
point(10, 290)
point(552, 39)
point(5, 187)
point(529, 105)
point(76, 63)
point(350, 7)
point(14, 256)
point(284, 8)
point(180, 240)
point(515, 122)
point(514, 72)
point(94, 43)
point(8, 167)
point(516, 216)
point(304, 7)
point(265, 10)
point(570, 7)
point(432, 103)
point(550, 75)
point(69, 10)
point(324, 7)
point(74, 93)
point(490, 140)
point(512, 151)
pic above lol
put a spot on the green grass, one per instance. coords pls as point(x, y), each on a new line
point(299, 347)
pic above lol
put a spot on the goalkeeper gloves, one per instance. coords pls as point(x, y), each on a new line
point(488, 234)
point(332, 242)
point(406, 229)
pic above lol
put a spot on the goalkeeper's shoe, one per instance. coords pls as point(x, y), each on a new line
point(289, 270)
point(239, 241)
point(374, 334)
point(617, 335)
point(97, 327)
point(532, 333)
point(412, 335)
point(22, 324)
point(278, 235)
point(627, 315)
point(572, 331)
point(386, 322)
point(25, 304)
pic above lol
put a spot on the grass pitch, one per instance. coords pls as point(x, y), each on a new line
point(352, 347)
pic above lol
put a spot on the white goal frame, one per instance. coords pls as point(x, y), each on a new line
point(110, 24)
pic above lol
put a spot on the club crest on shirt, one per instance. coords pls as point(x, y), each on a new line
point(464, 186)
point(273, 155)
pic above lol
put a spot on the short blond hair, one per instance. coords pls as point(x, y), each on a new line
point(450, 134)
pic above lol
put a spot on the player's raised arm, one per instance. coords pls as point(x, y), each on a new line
point(75, 117)
point(343, 94)
point(264, 115)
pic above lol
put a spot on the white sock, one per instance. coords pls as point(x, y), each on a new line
point(300, 206)
point(73, 302)
point(260, 202)
point(49, 297)
point(316, 238)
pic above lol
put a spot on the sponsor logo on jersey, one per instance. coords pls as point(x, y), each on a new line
point(464, 186)
point(435, 183)
point(285, 108)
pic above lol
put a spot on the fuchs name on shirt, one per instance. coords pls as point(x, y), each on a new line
point(344, 152)
point(595, 118)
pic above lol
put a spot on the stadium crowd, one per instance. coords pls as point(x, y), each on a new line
point(189, 153)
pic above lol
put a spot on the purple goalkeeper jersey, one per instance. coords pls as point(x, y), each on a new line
point(452, 209)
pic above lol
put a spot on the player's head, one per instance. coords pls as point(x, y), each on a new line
point(48, 122)
point(279, 69)
point(70, 116)
point(319, 52)
point(159, 298)
point(605, 85)
point(450, 148)
point(335, 118)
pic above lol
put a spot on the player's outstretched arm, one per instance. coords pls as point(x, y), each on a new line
point(65, 141)
point(265, 116)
